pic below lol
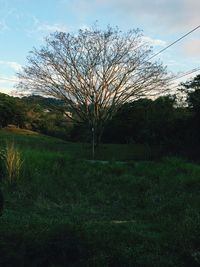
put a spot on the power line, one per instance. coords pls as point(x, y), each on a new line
point(176, 78)
point(170, 45)
point(188, 73)
point(173, 43)
point(176, 41)
point(184, 74)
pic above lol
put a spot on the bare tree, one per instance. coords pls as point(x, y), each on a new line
point(95, 71)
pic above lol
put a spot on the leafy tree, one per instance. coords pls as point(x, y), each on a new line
point(11, 111)
point(95, 72)
point(142, 121)
point(192, 90)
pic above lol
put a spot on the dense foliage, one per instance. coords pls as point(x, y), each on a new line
point(11, 111)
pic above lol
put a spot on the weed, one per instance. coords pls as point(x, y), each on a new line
point(13, 163)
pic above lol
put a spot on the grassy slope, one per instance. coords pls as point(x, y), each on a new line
point(69, 212)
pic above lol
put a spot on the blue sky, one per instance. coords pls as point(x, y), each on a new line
point(25, 23)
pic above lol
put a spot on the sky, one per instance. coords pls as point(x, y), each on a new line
point(24, 24)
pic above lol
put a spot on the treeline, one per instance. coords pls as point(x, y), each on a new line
point(161, 123)
point(157, 123)
point(169, 124)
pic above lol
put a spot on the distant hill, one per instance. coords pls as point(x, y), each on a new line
point(44, 102)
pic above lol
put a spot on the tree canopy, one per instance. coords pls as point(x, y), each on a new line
point(11, 111)
point(95, 72)
point(192, 90)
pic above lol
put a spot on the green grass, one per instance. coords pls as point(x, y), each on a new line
point(117, 152)
point(66, 211)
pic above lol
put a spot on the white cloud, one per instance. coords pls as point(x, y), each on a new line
point(46, 28)
point(154, 42)
point(7, 83)
point(39, 29)
point(11, 64)
point(171, 14)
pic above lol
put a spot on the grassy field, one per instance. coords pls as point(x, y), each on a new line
point(67, 211)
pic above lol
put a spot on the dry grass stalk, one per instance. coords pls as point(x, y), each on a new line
point(13, 163)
